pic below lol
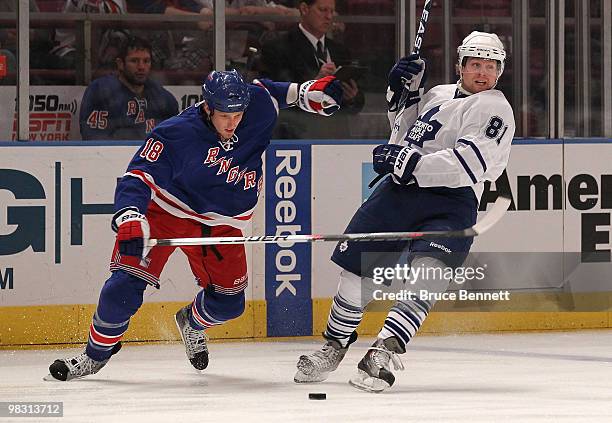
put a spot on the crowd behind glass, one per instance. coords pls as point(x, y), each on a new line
point(182, 53)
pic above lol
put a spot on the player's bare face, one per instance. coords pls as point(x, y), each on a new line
point(136, 67)
point(479, 74)
point(226, 123)
point(318, 17)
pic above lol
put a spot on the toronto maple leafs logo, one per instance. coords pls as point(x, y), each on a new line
point(424, 129)
point(343, 246)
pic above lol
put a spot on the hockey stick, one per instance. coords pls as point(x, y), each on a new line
point(418, 42)
point(401, 105)
point(491, 218)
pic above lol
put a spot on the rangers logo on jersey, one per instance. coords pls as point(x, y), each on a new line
point(150, 124)
point(137, 107)
point(234, 174)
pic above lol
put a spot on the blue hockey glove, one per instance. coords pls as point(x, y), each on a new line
point(397, 160)
point(404, 71)
point(322, 96)
point(408, 73)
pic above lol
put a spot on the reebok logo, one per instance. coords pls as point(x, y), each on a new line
point(441, 247)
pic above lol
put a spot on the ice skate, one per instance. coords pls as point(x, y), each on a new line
point(82, 365)
point(194, 340)
point(316, 367)
point(373, 371)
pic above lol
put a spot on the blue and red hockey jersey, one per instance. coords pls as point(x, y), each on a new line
point(184, 169)
point(111, 111)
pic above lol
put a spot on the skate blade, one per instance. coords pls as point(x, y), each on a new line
point(50, 378)
point(367, 383)
point(304, 378)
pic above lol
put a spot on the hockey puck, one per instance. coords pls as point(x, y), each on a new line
point(317, 396)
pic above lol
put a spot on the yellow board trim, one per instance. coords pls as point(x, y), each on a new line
point(494, 316)
point(68, 324)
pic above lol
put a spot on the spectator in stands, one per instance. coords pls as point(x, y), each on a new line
point(170, 7)
point(108, 44)
point(40, 44)
point(128, 105)
point(162, 43)
point(305, 52)
point(258, 7)
point(184, 50)
point(194, 50)
point(252, 7)
point(242, 35)
point(9, 73)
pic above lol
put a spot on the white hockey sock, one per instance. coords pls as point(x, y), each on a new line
point(347, 308)
point(404, 320)
point(406, 317)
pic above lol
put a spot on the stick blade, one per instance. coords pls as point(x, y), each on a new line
point(493, 216)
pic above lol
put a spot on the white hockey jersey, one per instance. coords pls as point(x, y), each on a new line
point(464, 141)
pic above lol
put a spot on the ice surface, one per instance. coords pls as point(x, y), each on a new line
point(528, 377)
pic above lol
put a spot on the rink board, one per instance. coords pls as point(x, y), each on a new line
point(55, 241)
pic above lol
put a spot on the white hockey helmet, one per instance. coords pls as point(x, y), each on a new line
point(484, 45)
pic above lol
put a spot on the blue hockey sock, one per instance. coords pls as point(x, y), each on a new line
point(210, 308)
point(120, 299)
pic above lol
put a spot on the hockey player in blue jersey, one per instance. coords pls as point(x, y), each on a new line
point(128, 105)
point(197, 174)
point(443, 146)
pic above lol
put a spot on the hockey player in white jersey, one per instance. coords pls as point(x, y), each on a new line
point(444, 144)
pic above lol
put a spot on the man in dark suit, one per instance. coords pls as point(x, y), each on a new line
point(305, 53)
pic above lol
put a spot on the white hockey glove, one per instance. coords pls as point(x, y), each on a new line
point(397, 160)
point(322, 96)
point(408, 73)
point(133, 232)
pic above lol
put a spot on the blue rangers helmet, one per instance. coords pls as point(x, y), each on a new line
point(226, 91)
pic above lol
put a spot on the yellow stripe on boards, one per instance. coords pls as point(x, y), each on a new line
point(69, 324)
point(54, 325)
point(542, 311)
